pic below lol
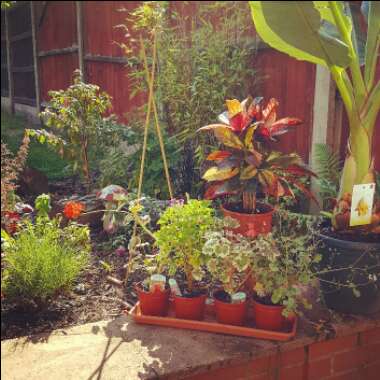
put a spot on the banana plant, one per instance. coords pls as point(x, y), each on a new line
point(345, 39)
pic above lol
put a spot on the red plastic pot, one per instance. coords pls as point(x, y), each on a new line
point(268, 317)
point(190, 307)
point(251, 225)
point(155, 303)
point(230, 313)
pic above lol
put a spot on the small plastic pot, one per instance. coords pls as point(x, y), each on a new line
point(268, 317)
point(190, 307)
point(156, 303)
point(251, 225)
point(230, 313)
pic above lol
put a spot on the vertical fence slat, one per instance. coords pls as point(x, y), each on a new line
point(9, 66)
point(35, 56)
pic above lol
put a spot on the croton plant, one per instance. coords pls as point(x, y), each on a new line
point(247, 165)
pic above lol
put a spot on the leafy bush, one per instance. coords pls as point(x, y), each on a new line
point(43, 259)
point(181, 236)
point(154, 183)
point(283, 262)
point(191, 87)
point(76, 115)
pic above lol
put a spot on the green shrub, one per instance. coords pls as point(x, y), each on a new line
point(181, 237)
point(43, 259)
point(190, 88)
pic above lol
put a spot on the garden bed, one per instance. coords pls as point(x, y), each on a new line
point(93, 298)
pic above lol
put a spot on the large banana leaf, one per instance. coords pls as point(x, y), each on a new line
point(296, 28)
point(373, 40)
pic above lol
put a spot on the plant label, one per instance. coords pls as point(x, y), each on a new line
point(362, 203)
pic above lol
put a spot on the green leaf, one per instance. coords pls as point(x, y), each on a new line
point(373, 43)
point(295, 28)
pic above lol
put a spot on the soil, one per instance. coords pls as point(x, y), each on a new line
point(238, 207)
point(264, 300)
point(193, 294)
point(351, 236)
point(222, 296)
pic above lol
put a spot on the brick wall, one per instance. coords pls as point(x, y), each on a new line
point(350, 357)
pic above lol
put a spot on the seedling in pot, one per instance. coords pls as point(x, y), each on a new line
point(228, 260)
point(180, 241)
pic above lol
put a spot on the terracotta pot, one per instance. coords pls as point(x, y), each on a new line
point(268, 317)
point(230, 313)
point(156, 303)
point(190, 307)
point(252, 225)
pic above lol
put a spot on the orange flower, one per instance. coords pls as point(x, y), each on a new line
point(73, 210)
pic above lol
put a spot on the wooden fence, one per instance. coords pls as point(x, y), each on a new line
point(71, 35)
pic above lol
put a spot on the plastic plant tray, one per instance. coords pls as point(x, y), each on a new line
point(211, 325)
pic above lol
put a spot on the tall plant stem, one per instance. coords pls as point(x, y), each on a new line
point(145, 144)
point(157, 124)
point(249, 202)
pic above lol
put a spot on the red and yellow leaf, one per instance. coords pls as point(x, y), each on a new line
point(298, 170)
point(225, 135)
point(234, 107)
point(304, 189)
point(217, 174)
point(218, 155)
point(248, 138)
point(220, 189)
point(267, 178)
point(270, 111)
point(248, 172)
point(282, 126)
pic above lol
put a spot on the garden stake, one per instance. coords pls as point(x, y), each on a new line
point(159, 134)
point(151, 103)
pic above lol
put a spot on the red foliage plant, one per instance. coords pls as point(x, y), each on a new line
point(247, 164)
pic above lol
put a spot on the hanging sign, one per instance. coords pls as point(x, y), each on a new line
point(362, 203)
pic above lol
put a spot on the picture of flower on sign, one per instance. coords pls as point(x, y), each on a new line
point(362, 203)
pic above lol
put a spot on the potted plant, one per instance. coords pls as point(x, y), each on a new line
point(153, 295)
point(283, 263)
point(247, 165)
point(228, 261)
point(180, 239)
point(343, 37)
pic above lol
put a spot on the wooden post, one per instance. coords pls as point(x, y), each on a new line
point(9, 61)
point(321, 111)
point(35, 57)
point(79, 14)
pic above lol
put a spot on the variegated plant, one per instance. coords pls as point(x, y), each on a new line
point(246, 164)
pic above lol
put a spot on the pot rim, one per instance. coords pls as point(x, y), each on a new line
point(190, 298)
point(227, 303)
point(340, 242)
point(271, 210)
point(270, 307)
point(139, 288)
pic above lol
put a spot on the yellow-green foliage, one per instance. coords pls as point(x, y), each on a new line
point(43, 259)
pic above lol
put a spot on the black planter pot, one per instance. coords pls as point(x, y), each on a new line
point(365, 259)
